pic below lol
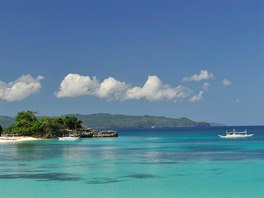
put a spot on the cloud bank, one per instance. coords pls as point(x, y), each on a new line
point(203, 75)
point(23, 87)
point(74, 85)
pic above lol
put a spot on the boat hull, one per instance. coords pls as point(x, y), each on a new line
point(236, 136)
point(68, 138)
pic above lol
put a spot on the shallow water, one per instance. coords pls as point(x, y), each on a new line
point(184, 163)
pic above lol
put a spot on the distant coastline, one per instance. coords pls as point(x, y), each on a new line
point(110, 121)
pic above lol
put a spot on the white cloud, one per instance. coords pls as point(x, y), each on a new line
point(204, 75)
point(112, 89)
point(23, 87)
point(75, 85)
point(237, 100)
point(226, 82)
point(154, 89)
point(197, 97)
point(206, 86)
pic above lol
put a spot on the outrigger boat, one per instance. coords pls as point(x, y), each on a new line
point(236, 134)
point(68, 138)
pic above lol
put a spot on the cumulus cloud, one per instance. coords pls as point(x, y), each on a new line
point(226, 82)
point(112, 89)
point(23, 87)
point(197, 97)
point(154, 89)
point(206, 86)
point(203, 75)
point(74, 85)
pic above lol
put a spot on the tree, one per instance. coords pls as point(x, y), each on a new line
point(25, 121)
point(27, 124)
point(71, 122)
point(49, 127)
point(1, 130)
point(26, 116)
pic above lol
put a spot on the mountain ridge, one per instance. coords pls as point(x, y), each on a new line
point(107, 121)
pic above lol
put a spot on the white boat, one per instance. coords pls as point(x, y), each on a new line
point(68, 138)
point(236, 134)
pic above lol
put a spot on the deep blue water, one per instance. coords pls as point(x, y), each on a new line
point(182, 162)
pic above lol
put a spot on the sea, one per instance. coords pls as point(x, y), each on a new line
point(156, 163)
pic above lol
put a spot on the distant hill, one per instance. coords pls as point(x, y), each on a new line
point(216, 124)
point(6, 121)
point(108, 121)
point(104, 120)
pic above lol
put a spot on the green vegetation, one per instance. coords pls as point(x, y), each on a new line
point(47, 126)
point(102, 120)
point(1, 129)
point(27, 124)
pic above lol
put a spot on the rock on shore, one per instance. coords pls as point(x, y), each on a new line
point(89, 133)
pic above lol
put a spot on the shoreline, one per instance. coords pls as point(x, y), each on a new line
point(5, 139)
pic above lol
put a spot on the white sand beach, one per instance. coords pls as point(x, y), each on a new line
point(5, 139)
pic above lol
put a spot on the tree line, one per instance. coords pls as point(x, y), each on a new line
point(27, 124)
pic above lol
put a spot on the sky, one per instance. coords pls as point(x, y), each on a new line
point(197, 59)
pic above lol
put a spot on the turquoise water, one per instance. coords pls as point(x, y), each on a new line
point(184, 163)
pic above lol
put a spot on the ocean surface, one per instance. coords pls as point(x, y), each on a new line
point(176, 163)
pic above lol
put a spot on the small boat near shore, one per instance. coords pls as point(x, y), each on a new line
point(236, 134)
point(68, 138)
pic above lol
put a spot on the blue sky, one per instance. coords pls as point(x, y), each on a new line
point(197, 59)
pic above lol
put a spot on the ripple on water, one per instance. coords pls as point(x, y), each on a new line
point(43, 176)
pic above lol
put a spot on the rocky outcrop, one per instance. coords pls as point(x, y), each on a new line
point(89, 133)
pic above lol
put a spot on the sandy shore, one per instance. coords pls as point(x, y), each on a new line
point(4, 139)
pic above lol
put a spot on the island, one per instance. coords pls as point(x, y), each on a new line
point(27, 124)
